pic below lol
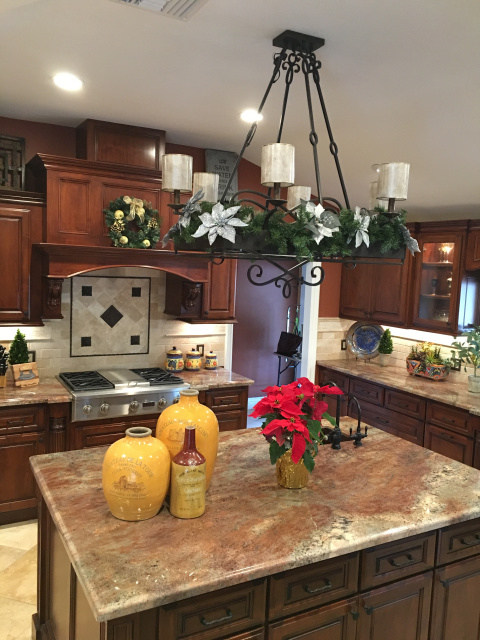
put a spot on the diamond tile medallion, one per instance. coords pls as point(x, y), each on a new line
point(109, 316)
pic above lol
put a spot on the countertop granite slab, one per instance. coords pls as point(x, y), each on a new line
point(452, 391)
point(385, 490)
point(207, 379)
point(49, 391)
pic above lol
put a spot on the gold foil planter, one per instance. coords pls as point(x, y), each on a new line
point(289, 474)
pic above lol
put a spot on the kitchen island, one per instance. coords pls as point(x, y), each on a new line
point(383, 543)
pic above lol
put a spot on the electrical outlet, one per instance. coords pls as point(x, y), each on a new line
point(343, 345)
point(201, 348)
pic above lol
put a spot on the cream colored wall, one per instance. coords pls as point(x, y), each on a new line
point(52, 341)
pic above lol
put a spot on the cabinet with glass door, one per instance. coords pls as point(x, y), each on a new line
point(438, 278)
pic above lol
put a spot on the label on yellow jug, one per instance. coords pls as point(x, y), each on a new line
point(187, 491)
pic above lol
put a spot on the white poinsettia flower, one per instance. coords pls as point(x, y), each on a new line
point(362, 234)
point(322, 224)
point(221, 222)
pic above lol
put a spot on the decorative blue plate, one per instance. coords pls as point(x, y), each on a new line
point(363, 339)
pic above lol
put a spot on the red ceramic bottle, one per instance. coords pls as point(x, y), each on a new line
point(188, 479)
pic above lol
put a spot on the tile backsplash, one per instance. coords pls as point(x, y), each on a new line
point(331, 331)
point(51, 342)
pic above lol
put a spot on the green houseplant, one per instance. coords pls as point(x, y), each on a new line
point(468, 352)
point(427, 361)
point(385, 348)
point(18, 349)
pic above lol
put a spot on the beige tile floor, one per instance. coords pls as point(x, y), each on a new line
point(18, 580)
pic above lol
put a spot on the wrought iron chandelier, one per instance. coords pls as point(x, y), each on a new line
point(296, 57)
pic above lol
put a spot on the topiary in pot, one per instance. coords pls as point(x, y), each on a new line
point(18, 349)
point(24, 373)
point(385, 348)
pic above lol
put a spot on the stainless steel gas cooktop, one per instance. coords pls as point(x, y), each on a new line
point(109, 393)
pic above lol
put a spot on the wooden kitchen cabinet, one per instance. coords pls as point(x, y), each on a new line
point(78, 191)
point(208, 302)
point(22, 434)
point(376, 292)
point(120, 144)
point(20, 226)
point(450, 431)
point(438, 274)
point(472, 257)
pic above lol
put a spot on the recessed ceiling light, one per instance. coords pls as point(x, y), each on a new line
point(250, 115)
point(68, 81)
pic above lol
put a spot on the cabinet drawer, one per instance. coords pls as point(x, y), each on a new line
point(310, 586)
point(339, 379)
point(231, 420)
point(227, 399)
point(22, 419)
point(217, 614)
point(449, 417)
point(396, 560)
point(367, 391)
point(458, 541)
point(449, 443)
point(405, 403)
point(393, 422)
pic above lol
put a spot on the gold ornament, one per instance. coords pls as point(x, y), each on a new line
point(117, 226)
point(146, 243)
point(136, 208)
point(123, 240)
point(119, 214)
point(152, 223)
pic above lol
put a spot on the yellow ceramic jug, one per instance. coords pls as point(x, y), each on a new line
point(188, 411)
point(136, 475)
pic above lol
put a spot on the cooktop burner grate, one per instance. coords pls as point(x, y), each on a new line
point(85, 381)
point(154, 375)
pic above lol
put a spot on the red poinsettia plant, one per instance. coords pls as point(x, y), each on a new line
point(292, 417)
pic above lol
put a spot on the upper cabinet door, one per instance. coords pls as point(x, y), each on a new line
point(437, 282)
point(389, 293)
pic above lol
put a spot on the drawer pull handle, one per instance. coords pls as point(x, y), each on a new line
point(368, 610)
point(355, 615)
point(16, 423)
point(445, 583)
point(326, 587)
point(404, 405)
point(449, 420)
point(447, 436)
point(383, 420)
point(409, 560)
point(208, 623)
point(471, 543)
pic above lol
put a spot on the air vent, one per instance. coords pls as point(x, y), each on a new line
point(178, 9)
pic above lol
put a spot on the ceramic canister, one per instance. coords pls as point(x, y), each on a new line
point(136, 475)
point(211, 361)
point(174, 361)
point(193, 361)
point(188, 411)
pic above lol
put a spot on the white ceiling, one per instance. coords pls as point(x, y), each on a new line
point(401, 81)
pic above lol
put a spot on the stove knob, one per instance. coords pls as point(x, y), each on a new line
point(134, 405)
point(104, 408)
point(161, 403)
point(176, 399)
point(87, 409)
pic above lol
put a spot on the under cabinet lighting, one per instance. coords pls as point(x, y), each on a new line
point(68, 81)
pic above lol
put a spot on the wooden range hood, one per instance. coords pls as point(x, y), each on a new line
point(56, 262)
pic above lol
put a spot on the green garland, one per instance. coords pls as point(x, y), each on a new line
point(140, 232)
point(293, 238)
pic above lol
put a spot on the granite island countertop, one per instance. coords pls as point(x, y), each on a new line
point(386, 490)
point(452, 391)
point(51, 391)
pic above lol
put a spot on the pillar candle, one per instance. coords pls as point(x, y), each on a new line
point(393, 180)
point(297, 193)
point(177, 172)
point(208, 182)
point(278, 165)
